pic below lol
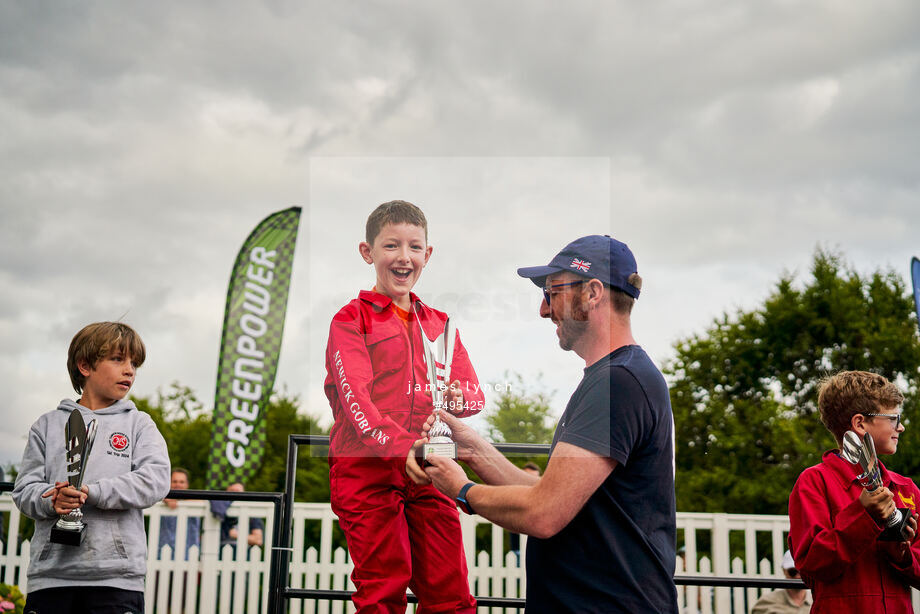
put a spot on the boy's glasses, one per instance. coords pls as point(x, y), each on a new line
point(547, 295)
point(896, 418)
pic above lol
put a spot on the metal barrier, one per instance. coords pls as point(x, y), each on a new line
point(279, 593)
point(275, 606)
point(286, 593)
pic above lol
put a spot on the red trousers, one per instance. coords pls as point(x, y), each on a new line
point(399, 535)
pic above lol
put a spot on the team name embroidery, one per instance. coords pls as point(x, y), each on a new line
point(357, 415)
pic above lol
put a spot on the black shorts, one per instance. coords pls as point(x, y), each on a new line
point(82, 599)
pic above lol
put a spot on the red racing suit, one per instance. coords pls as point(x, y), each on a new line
point(833, 541)
point(399, 534)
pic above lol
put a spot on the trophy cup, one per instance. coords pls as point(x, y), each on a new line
point(862, 452)
point(70, 528)
point(439, 441)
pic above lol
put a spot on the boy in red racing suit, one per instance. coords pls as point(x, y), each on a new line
point(835, 522)
point(399, 534)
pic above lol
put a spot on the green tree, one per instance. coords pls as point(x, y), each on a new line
point(282, 418)
point(519, 416)
point(744, 391)
point(186, 426)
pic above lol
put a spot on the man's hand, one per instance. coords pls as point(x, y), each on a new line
point(879, 503)
point(454, 398)
point(446, 475)
point(171, 503)
point(465, 437)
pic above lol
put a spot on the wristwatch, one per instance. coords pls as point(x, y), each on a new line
point(461, 498)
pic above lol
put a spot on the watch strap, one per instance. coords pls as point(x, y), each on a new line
point(462, 500)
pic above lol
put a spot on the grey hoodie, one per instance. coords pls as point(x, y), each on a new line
point(127, 471)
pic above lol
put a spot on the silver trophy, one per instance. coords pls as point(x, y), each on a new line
point(439, 441)
point(861, 451)
point(70, 528)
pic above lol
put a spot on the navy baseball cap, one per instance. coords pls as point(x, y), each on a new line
point(597, 256)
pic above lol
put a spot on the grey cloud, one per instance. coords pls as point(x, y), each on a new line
point(721, 140)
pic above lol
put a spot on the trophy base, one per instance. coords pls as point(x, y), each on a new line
point(68, 537)
point(441, 448)
point(895, 533)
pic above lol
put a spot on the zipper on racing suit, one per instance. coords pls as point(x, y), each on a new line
point(412, 367)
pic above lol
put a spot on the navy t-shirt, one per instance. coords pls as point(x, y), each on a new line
point(618, 553)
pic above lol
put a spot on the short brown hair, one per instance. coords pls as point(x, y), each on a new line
point(842, 396)
point(394, 212)
point(622, 302)
point(100, 340)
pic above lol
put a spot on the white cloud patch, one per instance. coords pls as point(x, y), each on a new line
point(723, 141)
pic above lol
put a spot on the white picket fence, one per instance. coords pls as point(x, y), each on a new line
point(235, 580)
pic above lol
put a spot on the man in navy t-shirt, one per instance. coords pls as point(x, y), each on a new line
point(602, 516)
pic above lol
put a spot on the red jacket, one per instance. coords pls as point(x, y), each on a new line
point(833, 541)
point(376, 379)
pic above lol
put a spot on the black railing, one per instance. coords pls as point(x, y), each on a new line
point(274, 605)
point(287, 593)
point(279, 593)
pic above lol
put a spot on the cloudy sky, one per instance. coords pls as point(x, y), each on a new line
point(722, 140)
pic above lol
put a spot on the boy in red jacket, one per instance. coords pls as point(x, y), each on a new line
point(835, 522)
point(399, 534)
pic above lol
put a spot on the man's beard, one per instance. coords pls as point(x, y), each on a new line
point(572, 329)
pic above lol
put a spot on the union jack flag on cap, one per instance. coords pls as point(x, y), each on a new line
point(581, 265)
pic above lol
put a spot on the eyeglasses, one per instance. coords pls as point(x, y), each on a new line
point(896, 418)
point(547, 295)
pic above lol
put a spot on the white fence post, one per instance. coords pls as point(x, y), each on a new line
point(738, 597)
point(706, 592)
point(210, 547)
point(721, 560)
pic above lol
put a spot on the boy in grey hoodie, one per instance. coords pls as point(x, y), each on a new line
point(127, 470)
